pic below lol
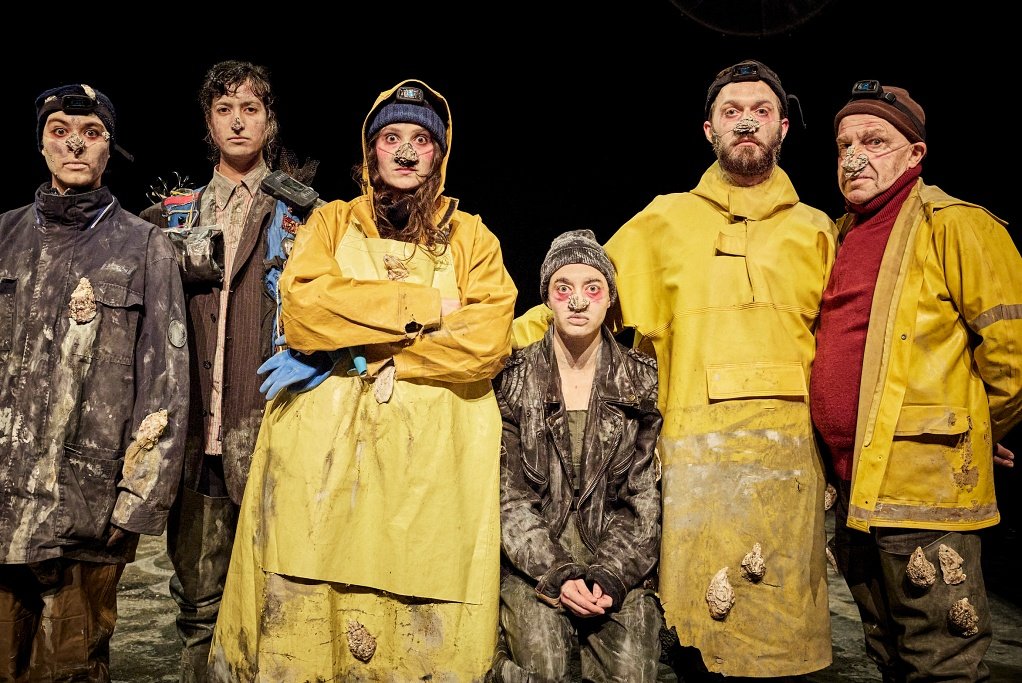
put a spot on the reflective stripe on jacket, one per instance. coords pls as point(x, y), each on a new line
point(942, 370)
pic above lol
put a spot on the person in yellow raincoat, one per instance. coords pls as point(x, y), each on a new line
point(724, 284)
point(918, 377)
point(368, 541)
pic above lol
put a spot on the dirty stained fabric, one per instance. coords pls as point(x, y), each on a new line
point(599, 522)
point(370, 517)
point(942, 372)
point(249, 326)
point(73, 392)
point(617, 507)
point(415, 506)
point(732, 331)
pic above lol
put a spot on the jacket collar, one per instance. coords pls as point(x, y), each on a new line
point(608, 386)
point(76, 210)
point(758, 202)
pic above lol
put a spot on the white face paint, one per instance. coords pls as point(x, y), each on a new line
point(76, 148)
point(75, 143)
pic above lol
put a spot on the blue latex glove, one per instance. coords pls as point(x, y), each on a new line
point(296, 371)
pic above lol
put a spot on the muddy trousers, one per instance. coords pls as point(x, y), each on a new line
point(623, 645)
point(200, 536)
point(56, 620)
point(910, 631)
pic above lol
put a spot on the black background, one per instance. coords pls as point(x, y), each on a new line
point(565, 114)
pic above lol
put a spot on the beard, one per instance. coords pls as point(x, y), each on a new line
point(748, 161)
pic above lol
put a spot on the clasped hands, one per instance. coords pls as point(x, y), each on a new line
point(576, 596)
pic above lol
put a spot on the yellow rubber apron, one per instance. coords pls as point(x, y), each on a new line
point(369, 524)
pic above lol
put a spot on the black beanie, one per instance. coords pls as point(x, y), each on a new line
point(52, 100)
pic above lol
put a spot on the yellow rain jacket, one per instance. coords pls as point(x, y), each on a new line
point(370, 519)
point(942, 370)
point(725, 283)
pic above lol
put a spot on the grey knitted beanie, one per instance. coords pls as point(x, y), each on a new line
point(576, 246)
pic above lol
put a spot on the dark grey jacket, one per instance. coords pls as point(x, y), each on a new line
point(619, 502)
point(73, 392)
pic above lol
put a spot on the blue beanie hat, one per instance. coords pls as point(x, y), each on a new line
point(408, 110)
point(85, 100)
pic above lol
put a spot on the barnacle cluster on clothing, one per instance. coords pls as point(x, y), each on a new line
point(361, 643)
point(950, 565)
point(151, 429)
point(82, 306)
point(963, 618)
point(396, 268)
point(921, 572)
point(753, 565)
point(829, 496)
point(720, 596)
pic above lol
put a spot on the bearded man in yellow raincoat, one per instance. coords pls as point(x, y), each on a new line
point(724, 284)
point(368, 543)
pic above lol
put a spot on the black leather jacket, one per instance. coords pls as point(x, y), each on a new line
point(619, 501)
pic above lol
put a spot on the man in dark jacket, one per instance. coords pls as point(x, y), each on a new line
point(580, 502)
point(230, 235)
point(93, 392)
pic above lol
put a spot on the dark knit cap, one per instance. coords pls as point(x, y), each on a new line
point(86, 100)
point(892, 104)
point(408, 110)
point(576, 246)
point(749, 70)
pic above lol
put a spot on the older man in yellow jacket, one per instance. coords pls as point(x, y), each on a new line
point(724, 284)
point(918, 375)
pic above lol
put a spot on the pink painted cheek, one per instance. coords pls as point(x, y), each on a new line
point(595, 297)
point(560, 296)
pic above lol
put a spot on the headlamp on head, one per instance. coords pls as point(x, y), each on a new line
point(745, 72)
point(77, 104)
point(410, 94)
point(871, 89)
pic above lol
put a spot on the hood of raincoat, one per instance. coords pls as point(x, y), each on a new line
point(438, 103)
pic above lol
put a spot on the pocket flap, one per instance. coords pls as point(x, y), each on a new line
point(116, 296)
point(755, 379)
point(915, 420)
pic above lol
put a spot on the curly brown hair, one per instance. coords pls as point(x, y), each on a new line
point(224, 78)
point(406, 216)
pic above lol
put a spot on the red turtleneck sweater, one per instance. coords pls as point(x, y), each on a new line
point(844, 319)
